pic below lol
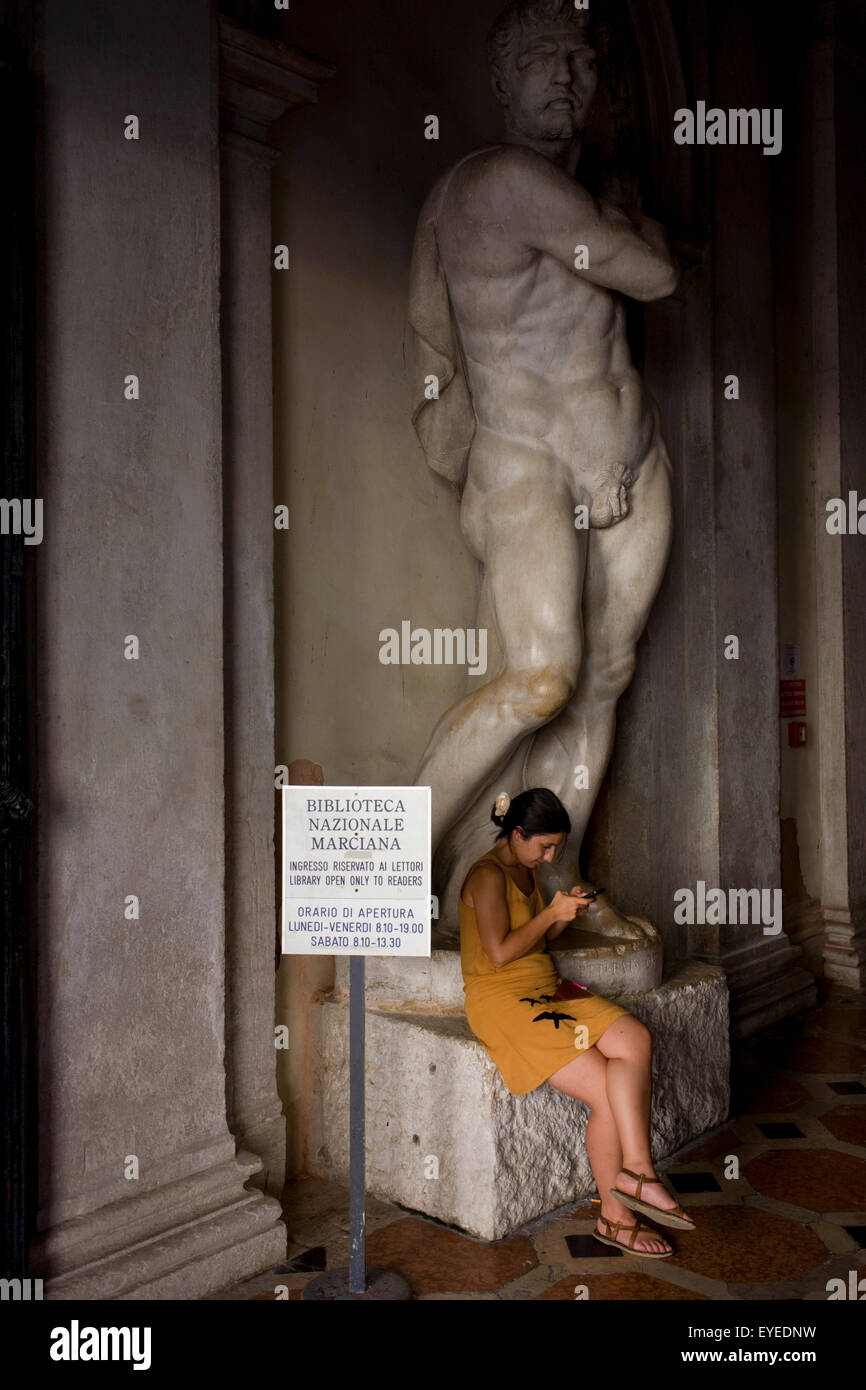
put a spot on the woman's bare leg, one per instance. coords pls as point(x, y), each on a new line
point(627, 1044)
point(584, 1078)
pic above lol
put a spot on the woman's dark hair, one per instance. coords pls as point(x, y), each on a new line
point(539, 811)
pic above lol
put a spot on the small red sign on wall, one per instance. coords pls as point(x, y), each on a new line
point(792, 699)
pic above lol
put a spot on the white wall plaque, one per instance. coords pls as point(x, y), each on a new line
point(356, 871)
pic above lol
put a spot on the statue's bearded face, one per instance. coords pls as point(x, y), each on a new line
point(550, 82)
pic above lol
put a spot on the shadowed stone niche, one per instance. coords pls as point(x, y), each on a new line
point(574, 416)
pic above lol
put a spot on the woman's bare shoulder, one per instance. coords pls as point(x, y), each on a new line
point(485, 876)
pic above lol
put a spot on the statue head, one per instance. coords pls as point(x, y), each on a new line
point(542, 65)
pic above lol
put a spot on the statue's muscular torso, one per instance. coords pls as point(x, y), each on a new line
point(545, 349)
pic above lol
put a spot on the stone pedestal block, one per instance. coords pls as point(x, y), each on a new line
point(606, 967)
point(437, 1104)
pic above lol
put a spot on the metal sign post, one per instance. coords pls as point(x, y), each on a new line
point(357, 1282)
point(356, 882)
point(357, 1155)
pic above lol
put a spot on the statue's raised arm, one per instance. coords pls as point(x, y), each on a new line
point(541, 207)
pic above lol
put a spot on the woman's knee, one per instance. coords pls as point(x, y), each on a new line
point(628, 1038)
point(641, 1039)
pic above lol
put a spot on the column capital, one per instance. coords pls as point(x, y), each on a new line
point(262, 78)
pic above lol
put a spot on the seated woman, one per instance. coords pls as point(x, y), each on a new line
point(537, 1027)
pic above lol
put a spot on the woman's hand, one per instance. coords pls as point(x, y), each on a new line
point(565, 907)
point(569, 905)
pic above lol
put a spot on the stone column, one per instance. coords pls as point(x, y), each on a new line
point(838, 118)
point(765, 974)
point(260, 79)
point(142, 1192)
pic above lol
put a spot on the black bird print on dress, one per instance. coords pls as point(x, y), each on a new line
point(542, 998)
point(551, 1013)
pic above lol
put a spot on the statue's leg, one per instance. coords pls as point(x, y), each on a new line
point(624, 570)
point(534, 562)
point(471, 833)
point(470, 837)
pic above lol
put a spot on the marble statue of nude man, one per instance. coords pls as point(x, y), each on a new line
point(540, 419)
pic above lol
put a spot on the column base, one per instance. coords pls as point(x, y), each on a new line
point(804, 927)
point(844, 948)
point(266, 1138)
point(182, 1240)
point(767, 982)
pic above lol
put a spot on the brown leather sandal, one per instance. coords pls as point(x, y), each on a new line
point(673, 1216)
point(629, 1249)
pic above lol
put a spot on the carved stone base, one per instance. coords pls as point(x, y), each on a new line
point(767, 982)
point(266, 1138)
point(606, 966)
point(181, 1240)
point(804, 927)
point(844, 948)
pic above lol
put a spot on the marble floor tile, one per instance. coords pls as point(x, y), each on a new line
point(724, 1143)
point(817, 1179)
point(846, 1122)
point(849, 1023)
point(742, 1244)
point(819, 1056)
point(616, 1287)
point(436, 1260)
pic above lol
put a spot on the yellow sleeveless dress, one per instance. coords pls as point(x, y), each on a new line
point(511, 1010)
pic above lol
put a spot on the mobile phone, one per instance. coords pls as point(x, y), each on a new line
point(594, 894)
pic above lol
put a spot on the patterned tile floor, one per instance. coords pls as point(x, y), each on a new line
point(793, 1219)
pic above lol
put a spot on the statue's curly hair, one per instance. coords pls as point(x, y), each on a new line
point(522, 15)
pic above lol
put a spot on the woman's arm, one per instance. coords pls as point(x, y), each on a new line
point(501, 944)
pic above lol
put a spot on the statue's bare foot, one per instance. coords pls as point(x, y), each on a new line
point(606, 920)
point(601, 917)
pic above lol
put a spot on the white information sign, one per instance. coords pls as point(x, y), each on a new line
point(356, 871)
